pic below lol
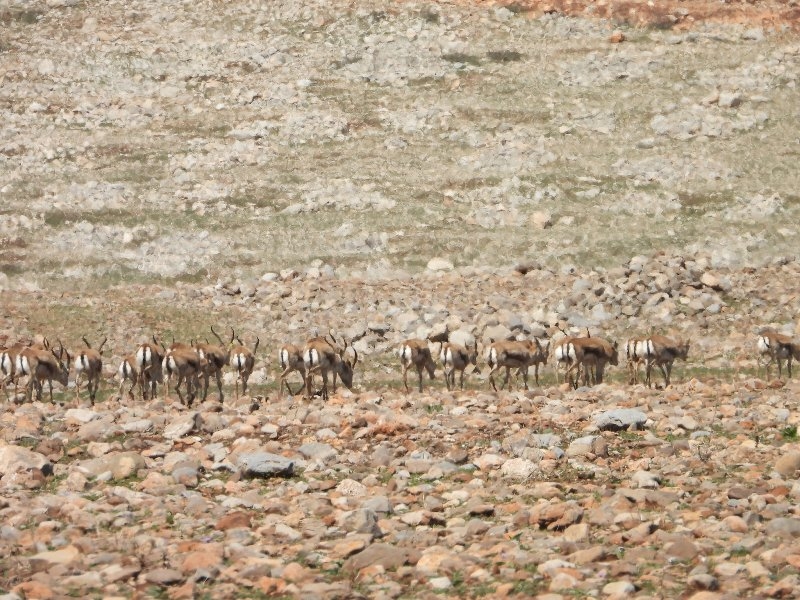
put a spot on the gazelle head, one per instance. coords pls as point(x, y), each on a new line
point(614, 359)
point(63, 359)
point(347, 366)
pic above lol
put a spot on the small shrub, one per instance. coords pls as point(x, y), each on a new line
point(504, 56)
point(461, 57)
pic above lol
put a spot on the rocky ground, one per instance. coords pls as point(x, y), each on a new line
point(385, 171)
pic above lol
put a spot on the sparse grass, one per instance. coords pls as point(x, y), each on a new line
point(789, 433)
point(22, 16)
point(461, 57)
point(504, 56)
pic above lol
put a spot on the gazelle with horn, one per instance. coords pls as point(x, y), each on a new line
point(89, 363)
point(40, 365)
point(324, 356)
point(215, 357)
point(243, 360)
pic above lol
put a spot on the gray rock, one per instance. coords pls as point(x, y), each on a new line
point(463, 337)
point(439, 264)
point(182, 426)
point(783, 526)
point(619, 419)
point(81, 415)
point(362, 520)
point(646, 479)
point(378, 504)
point(120, 465)
point(264, 464)
point(163, 577)
point(388, 556)
point(138, 426)
point(518, 468)
point(318, 451)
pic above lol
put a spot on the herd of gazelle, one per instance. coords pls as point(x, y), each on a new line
point(191, 366)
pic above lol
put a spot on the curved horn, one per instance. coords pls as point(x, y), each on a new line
point(85, 341)
point(233, 335)
point(103, 343)
point(258, 341)
point(355, 356)
point(216, 335)
point(333, 339)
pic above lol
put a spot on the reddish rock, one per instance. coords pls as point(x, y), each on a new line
point(233, 520)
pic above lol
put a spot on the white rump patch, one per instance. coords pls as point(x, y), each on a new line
point(82, 363)
point(124, 372)
point(283, 356)
point(405, 353)
point(492, 358)
point(23, 366)
point(6, 365)
point(144, 356)
point(311, 357)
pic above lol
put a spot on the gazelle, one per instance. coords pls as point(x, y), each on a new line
point(597, 354)
point(634, 352)
point(323, 357)
point(662, 352)
point(89, 362)
point(291, 359)
point(243, 360)
point(569, 355)
point(185, 365)
point(148, 366)
point(512, 354)
point(215, 357)
point(41, 365)
point(776, 348)
point(127, 372)
point(416, 353)
point(456, 357)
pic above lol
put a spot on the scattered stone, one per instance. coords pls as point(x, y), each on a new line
point(264, 464)
point(620, 419)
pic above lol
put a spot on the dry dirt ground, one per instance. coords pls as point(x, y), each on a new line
point(681, 14)
point(383, 171)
